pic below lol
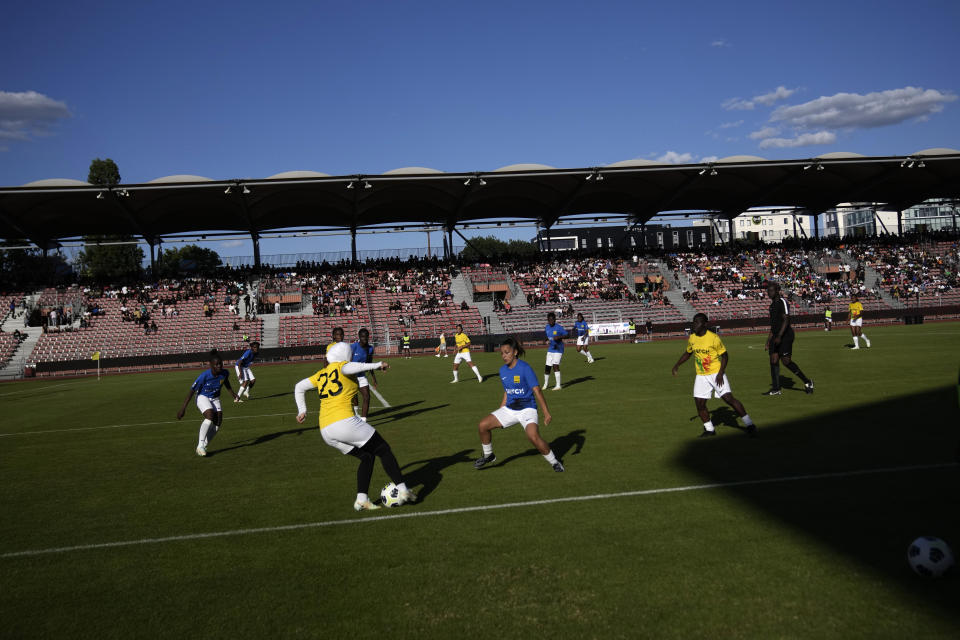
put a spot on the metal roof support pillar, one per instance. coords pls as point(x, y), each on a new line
point(353, 244)
point(549, 247)
point(899, 222)
point(153, 260)
point(816, 225)
point(730, 229)
point(256, 249)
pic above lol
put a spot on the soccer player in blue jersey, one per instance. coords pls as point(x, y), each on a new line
point(362, 351)
point(555, 335)
point(244, 373)
point(583, 337)
point(521, 395)
point(207, 387)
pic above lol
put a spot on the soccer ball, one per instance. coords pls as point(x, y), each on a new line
point(390, 496)
point(929, 556)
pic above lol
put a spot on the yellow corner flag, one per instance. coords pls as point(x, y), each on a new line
point(95, 356)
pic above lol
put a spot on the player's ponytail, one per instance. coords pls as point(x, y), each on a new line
point(514, 344)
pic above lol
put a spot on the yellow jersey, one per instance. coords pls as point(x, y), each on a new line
point(337, 391)
point(706, 350)
point(463, 342)
point(856, 310)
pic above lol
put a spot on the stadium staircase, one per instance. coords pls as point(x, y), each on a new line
point(11, 365)
point(674, 294)
point(872, 279)
point(460, 288)
point(271, 331)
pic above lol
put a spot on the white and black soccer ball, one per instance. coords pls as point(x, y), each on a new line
point(390, 496)
point(929, 557)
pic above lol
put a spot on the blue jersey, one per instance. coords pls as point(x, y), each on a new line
point(518, 383)
point(246, 359)
point(208, 384)
point(361, 354)
point(582, 328)
point(555, 335)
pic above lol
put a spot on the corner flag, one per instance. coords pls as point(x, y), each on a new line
point(95, 356)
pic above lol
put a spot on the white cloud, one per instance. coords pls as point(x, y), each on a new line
point(27, 114)
point(672, 157)
point(780, 93)
point(802, 140)
point(731, 125)
point(766, 99)
point(766, 132)
point(230, 244)
point(720, 43)
point(862, 111)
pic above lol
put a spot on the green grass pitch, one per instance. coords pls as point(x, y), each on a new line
point(84, 462)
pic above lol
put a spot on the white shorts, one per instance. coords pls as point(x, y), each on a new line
point(244, 374)
point(583, 341)
point(462, 356)
point(346, 434)
point(705, 386)
point(553, 358)
point(362, 381)
point(204, 403)
point(856, 323)
point(508, 417)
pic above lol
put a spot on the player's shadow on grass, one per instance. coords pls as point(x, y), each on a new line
point(273, 395)
point(561, 446)
point(388, 410)
point(579, 380)
point(429, 474)
point(490, 375)
point(600, 358)
point(868, 518)
point(267, 437)
point(393, 417)
point(723, 416)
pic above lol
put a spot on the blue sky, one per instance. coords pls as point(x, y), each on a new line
point(239, 91)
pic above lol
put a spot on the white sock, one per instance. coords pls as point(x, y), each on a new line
point(585, 354)
point(865, 338)
point(477, 371)
point(856, 341)
point(556, 374)
point(214, 430)
point(747, 420)
point(589, 357)
point(708, 425)
point(487, 449)
point(362, 497)
point(456, 376)
point(204, 430)
point(546, 380)
point(246, 391)
point(402, 487)
point(550, 458)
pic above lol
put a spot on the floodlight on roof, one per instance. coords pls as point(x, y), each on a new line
point(124, 193)
point(820, 167)
point(467, 182)
point(482, 182)
point(100, 195)
point(921, 164)
point(703, 171)
point(367, 185)
point(589, 177)
point(599, 176)
point(807, 167)
point(713, 171)
point(246, 191)
point(227, 190)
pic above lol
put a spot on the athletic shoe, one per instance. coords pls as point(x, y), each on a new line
point(237, 399)
point(707, 434)
point(556, 388)
point(808, 387)
point(366, 505)
point(772, 392)
point(201, 451)
point(558, 467)
point(752, 430)
point(483, 461)
point(857, 347)
point(453, 382)
point(868, 343)
point(407, 497)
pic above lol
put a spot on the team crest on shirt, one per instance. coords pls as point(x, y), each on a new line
point(516, 379)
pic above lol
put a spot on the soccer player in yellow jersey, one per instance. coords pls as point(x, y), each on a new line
point(341, 429)
point(711, 359)
point(856, 323)
point(463, 353)
point(442, 347)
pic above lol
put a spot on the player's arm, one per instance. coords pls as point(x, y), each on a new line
point(783, 328)
point(542, 403)
point(683, 358)
point(226, 383)
point(183, 409)
point(298, 393)
point(353, 368)
point(724, 359)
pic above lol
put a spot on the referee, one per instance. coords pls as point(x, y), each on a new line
point(780, 342)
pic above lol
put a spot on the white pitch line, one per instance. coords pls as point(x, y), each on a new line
point(42, 387)
point(136, 424)
point(489, 507)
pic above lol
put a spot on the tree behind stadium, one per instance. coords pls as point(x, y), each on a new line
point(188, 260)
point(105, 262)
point(491, 248)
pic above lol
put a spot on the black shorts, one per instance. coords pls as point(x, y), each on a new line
point(785, 348)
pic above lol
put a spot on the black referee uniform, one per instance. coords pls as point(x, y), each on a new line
point(779, 315)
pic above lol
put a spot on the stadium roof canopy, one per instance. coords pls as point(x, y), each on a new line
point(50, 210)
